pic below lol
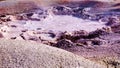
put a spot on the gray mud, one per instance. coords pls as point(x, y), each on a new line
point(77, 29)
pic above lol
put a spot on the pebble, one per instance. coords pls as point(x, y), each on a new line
point(13, 37)
point(39, 28)
point(24, 30)
point(13, 26)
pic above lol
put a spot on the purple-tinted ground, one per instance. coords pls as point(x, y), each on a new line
point(95, 37)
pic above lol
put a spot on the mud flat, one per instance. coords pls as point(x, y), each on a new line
point(82, 30)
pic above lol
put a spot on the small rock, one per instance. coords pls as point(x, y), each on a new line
point(34, 19)
point(79, 44)
point(47, 42)
point(13, 37)
point(83, 42)
point(63, 35)
point(96, 33)
point(13, 26)
point(73, 36)
point(61, 10)
point(2, 15)
point(21, 17)
point(52, 34)
point(97, 42)
point(39, 28)
point(29, 14)
point(5, 19)
point(64, 43)
point(21, 35)
point(24, 30)
point(115, 28)
point(80, 33)
point(33, 38)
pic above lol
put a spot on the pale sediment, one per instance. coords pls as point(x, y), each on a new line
point(75, 29)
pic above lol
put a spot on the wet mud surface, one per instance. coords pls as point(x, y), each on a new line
point(77, 29)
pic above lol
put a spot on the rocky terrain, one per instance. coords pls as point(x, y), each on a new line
point(89, 29)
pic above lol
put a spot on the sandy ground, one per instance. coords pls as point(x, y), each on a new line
point(24, 54)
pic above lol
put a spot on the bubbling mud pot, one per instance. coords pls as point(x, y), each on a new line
point(59, 22)
point(77, 29)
